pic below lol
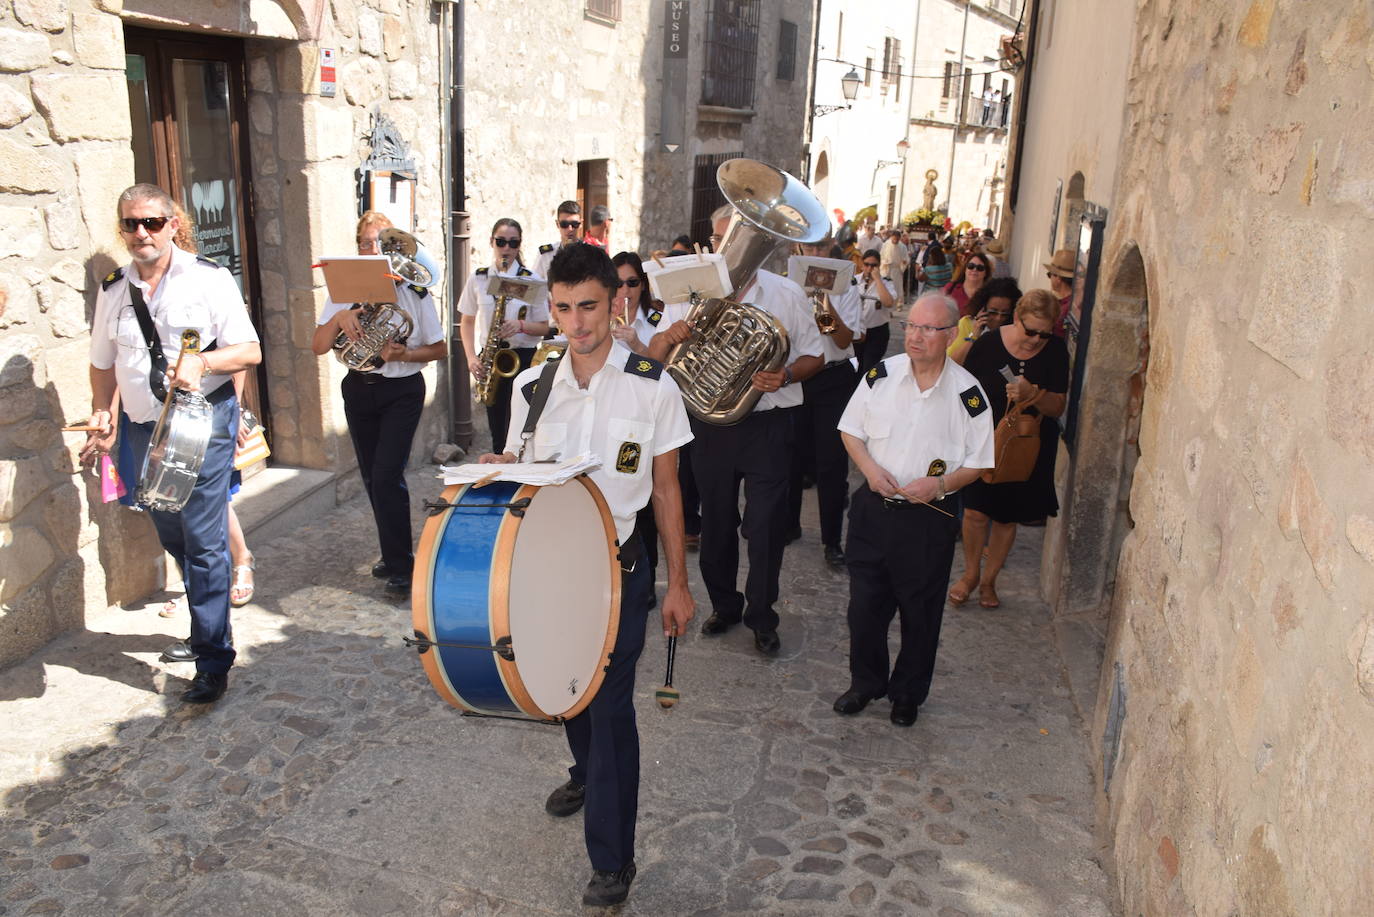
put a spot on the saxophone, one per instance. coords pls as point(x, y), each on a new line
point(498, 362)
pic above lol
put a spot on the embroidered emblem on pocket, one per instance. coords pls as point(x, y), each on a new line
point(627, 459)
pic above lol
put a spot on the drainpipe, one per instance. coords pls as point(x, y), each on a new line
point(1023, 82)
point(963, 102)
point(460, 397)
point(910, 107)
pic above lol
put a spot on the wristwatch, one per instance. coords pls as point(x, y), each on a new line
point(787, 375)
point(940, 482)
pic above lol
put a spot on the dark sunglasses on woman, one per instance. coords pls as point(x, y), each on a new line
point(502, 243)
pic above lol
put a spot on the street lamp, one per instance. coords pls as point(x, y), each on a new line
point(902, 147)
point(849, 85)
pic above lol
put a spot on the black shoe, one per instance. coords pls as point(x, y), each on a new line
point(381, 570)
point(206, 688)
point(834, 557)
point(716, 625)
point(398, 585)
point(767, 642)
point(851, 702)
point(566, 800)
point(793, 534)
point(607, 888)
point(653, 600)
point(904, 712)
point(179, 652)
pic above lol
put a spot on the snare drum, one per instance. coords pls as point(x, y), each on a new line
point(176, 452)
point(516, 598)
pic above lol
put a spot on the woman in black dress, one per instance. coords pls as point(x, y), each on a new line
point(1040, 363)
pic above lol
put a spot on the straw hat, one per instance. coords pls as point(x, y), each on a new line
point(1063, 263)
point(994, 247)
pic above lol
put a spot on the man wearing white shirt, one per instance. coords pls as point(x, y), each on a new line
point(918, 428)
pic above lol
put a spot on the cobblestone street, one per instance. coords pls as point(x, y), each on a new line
point(332, 780)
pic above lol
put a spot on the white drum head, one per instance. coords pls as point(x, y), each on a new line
point(561, 595)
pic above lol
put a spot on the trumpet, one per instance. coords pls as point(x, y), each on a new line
point(825, 316)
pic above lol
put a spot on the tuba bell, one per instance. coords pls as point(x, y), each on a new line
point(731, 341)
point(384, 322)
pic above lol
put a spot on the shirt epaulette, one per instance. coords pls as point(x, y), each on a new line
point(201, 259)
point(528, 390)
point(654, 318)
point(112, 278)
point(481, 272)
point(875, 374)
point(647, 367)
point(973, 400)
point(418, 290)
point(853, 281)
point(524, 272)
point(545, 248)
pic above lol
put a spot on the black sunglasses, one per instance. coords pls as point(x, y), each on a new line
point(152, 224)
point(870, 264)
point(502, 243)
point(1044, 335)
point(631, 283)
point(569, 224)
point(974, 267)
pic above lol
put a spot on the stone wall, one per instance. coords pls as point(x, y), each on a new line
point(1242, 626)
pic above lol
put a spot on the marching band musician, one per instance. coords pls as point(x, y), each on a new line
point(825, 395)
point(383, 407)
point(568, 220)
point(757, 450)
point(168, 291)
point(918, 428)
point(636, 317)
point(523, 325)
point(629, 411)
point(878, 296)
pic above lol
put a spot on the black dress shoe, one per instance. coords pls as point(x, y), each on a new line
point(398, 585)
point(851, 702)
point(608, 888)
point(565, 800)
point(793, 534)
point(716, 625)
point(834, 557)
point(767, 642)
point(179, 652)
point(904, 712)
point(206, 688)
point(381, 570)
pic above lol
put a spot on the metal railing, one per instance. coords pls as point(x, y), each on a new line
point(732, 40)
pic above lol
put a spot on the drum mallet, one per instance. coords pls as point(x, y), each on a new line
point(667, 695)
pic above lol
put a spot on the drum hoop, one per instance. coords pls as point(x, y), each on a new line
point(500, 610)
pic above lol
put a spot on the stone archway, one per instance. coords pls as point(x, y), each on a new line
point(1097, 518)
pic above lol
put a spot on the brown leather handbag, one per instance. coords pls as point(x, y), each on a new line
point(1015, 445)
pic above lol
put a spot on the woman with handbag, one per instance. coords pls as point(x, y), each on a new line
point(1027, 353)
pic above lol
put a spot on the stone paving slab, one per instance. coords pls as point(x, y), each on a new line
point(332, 780)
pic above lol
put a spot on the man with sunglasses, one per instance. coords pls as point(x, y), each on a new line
point(169, 291)
point(918, 428)
point(568, 220)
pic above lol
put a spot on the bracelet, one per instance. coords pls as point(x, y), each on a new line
point(205, 365)
point(940, 481)
point(787, 375)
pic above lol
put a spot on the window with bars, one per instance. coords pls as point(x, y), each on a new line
point(706, 196)
point(787, 50)
point(603, 10)
point(732, 39)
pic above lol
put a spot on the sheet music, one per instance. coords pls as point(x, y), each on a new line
point(541, 473)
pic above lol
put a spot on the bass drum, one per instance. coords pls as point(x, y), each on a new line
point(516, 598)
point(176, 452)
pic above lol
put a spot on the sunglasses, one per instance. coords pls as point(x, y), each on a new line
point(1043, 335)
point(632, 283)
point(998, 312)
point(975, 267)
point(152, 224)
point(870, 264)
point(503, 243)
point(569, 224)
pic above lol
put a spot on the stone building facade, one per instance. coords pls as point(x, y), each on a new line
point(1217, 536)
point(272, 121)
point(924, 68)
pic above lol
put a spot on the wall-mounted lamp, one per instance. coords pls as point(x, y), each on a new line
point(849, 85)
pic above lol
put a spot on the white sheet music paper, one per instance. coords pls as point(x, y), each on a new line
point(527, 289)
point(541, 473)
point(678, 278)
point(829, 274)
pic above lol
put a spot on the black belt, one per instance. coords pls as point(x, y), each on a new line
point(631, 552)
point(907, 505)
point(833, 363)
point(375, 378)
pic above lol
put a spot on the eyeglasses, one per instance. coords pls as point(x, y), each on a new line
point(870, 264)
point(998, 312)
point(632, 283)
point(569, 224)
point(152, 224)
point(1043, 335)
point(975, 266)
point(925, 330)
point(502, 243)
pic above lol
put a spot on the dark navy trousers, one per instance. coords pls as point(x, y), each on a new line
point(198, 536)
point(818, 437)
point(604, 738)
point(383, 416)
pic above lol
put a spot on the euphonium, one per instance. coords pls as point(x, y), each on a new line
point(378, 330)
point(731, 341)
point(497, 362)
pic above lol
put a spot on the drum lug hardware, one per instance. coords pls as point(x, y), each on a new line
point(435, 507)
point(422, 644)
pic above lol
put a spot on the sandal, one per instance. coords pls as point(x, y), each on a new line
point(987, 596)
point(169, 609)
point(241, 591)
point(958, 595)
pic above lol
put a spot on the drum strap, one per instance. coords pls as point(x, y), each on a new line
point(541, 397)
point(158, 372)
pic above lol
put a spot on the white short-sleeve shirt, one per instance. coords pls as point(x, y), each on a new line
point(476, 301)
point(874, 312)
point(630, 411)
point(418, 304)
point(786, 302)
point(907, 430)
point(195, 293)
point(850, 310)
